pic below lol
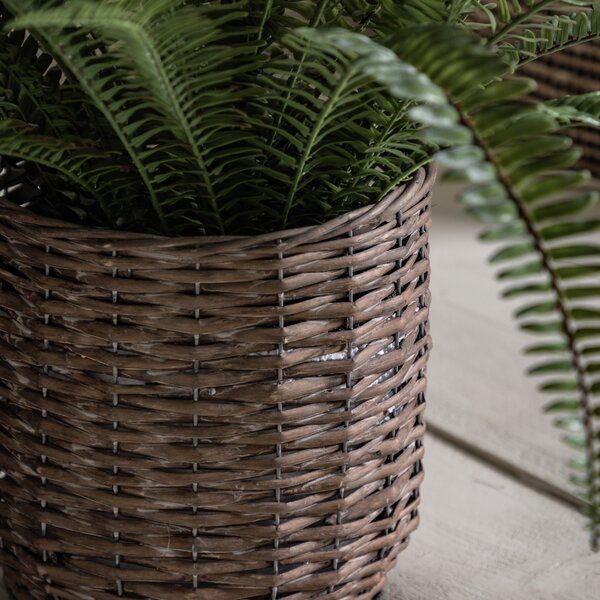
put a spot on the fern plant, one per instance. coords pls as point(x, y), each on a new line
point(186, 117)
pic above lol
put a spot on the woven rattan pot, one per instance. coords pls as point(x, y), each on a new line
point(570, 72)
point(212, 418)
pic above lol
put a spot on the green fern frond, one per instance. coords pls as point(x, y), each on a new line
point(328, 119)
point(41, 92)
point(243, 116)
point(171, 66)
point(555, 35)
point(511, 16)
point(98, 76)
point(225, 140)
point(526, 188)
point(47, 110)
point(407, 13)
point(29, 85)
point(526, 30)
point(96, 173)
point(576, 111)
point(362, 16)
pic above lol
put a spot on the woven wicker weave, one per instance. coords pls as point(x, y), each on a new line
point(570, 72)
point(212, 418)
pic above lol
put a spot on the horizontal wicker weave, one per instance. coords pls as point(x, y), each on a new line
point(570, 72)
point(212, 418)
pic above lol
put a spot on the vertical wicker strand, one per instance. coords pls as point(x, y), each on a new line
point(115, 425)
point(278, 447)
point(44, 458)
point(421, 375)
point(397, 409)
point(195, 440)
point(348, 406)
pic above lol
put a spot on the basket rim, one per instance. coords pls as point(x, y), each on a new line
point(420, 184)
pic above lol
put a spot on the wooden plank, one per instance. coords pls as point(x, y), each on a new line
point(478, 390)
point(485, 536)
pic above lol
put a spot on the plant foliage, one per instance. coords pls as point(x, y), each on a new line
point(526, 30)
point(216, 117)
point(527, 190)
point(228, 127)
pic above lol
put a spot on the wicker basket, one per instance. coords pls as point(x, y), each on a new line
point(570, 72)
point(212, 418)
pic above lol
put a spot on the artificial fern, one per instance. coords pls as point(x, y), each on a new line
point(150, 87)
point(245, 116)
point(520, 168)
point(166, 63)
point(577, 111)
point(527, 30)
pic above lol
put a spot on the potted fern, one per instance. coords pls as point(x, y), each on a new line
point(213, 248)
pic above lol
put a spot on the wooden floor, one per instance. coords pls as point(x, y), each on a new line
point(484, 536)
point(497, 518)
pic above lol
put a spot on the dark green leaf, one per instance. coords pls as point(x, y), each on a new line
point(550, 367)
point(569, 405)
point(531, 125)
point(574, 251)
point(514, 251)
point(504, 232)
point(543, 187)
point(591, 350)
point(499, 91)
point(537, 166)
point(536, 327)
point(569, 229)
point(585, 333)
point(557, 348)
point(540, 146)
point(539, 308)
point(532, 268)
point(566, 385)
point(585, 314)
point(577, 271)
point(576, 293)
point(531, 288)
point(564, 208)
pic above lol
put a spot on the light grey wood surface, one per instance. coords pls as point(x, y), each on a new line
point(478, 390)
point(484, 536)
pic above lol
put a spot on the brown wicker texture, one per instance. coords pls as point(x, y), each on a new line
point(212, 418)
point(572, 71)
